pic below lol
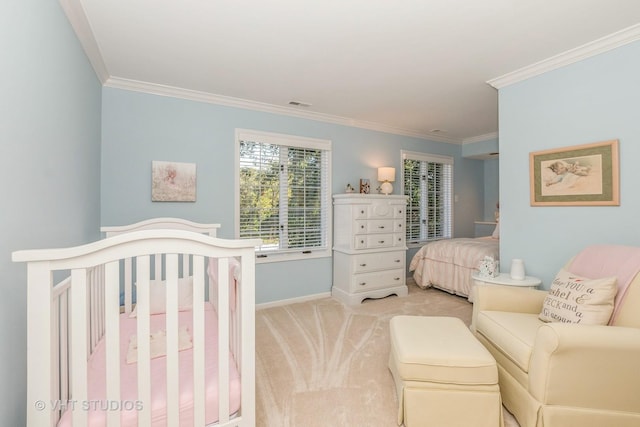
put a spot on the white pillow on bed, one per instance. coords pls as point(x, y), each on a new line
point(496, 232)
point(158, 296)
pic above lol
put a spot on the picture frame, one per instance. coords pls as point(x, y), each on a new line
point(173, 182)
point(580, 175)
point(365, 187)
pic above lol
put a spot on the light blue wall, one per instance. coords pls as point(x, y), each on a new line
point(491, 173)
point(480, 148)
point(50, 133)
point(593, 100)
point(139, 128)
point(491, 187)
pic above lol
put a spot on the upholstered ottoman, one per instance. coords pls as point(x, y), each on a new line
point(443, 375)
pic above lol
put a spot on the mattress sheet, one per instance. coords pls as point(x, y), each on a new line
point(97, 405)
point(448, 264)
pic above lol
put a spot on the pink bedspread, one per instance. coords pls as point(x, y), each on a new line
point(448, 264)
point(128, 377)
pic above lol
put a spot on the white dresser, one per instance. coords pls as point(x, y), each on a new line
point(369, 252)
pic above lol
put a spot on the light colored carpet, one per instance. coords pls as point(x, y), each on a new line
point(321, 363)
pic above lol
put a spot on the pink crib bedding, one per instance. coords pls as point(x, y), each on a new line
point(128, 377)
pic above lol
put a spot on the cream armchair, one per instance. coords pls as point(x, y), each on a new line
point(557, 374)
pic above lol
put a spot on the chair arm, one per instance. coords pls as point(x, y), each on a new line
point(506, 298)
point(587, 366)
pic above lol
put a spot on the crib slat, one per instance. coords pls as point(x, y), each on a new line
point(246, 302)
point(171, 266)
point(223, 339)
point(128, 292)
point(55, 351)
point(198, 341)
point(39, 341)
point(143, 269)
point(112, 335)
point(79, 340)
point(100, 280)
point(64, 346)
point(186, 265)
point(157, 259)
point(93, 311)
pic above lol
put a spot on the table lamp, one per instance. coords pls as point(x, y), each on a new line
point(386, 175)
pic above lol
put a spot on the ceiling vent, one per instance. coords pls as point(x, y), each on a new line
point(299, 104)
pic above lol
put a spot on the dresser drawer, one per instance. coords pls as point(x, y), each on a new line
point(398, 239)
point(379, 226)
point(375, 280)
point(361, 212)
point(399, 212)
point(374, 241)
point(377, 261)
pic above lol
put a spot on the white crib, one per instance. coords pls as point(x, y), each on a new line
point(76, 320)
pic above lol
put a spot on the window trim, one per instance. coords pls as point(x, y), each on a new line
point(297, 142)
point(433, 158)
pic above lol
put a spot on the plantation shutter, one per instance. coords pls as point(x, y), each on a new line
point(284, 192)
point(428, 181)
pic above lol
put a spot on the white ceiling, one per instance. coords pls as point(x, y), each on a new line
point(411, 67)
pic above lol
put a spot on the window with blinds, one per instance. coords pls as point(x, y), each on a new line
point(428, 181)
point(284, 193)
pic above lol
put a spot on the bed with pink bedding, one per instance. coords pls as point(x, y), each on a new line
point(448, 264)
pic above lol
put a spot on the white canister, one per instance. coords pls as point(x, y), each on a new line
point(517, 269)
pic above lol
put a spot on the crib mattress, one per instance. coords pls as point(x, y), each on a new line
point(97, 404)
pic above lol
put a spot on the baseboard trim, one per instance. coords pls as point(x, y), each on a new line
point(292, 300)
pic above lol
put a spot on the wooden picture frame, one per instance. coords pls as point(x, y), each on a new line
point(365, 187)
point(581, 175)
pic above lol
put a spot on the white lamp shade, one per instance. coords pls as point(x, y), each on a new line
point(387, 174)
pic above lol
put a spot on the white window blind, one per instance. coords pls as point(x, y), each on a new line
point(284, 192)
point(428, 181)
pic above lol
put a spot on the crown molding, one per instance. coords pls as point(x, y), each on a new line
point(480, 138)
point(198, 96)
point(80, 24)
point(596, 47)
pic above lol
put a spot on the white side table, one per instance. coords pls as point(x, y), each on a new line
point(505, 279)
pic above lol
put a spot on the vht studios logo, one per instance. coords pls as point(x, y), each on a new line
point(89, 405)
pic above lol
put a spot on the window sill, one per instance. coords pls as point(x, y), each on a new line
point(290, 256)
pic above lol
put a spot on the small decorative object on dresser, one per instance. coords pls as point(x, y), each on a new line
point(369, 253)
point(364, 186)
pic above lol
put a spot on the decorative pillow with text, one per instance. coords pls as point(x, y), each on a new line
point(575, 299)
